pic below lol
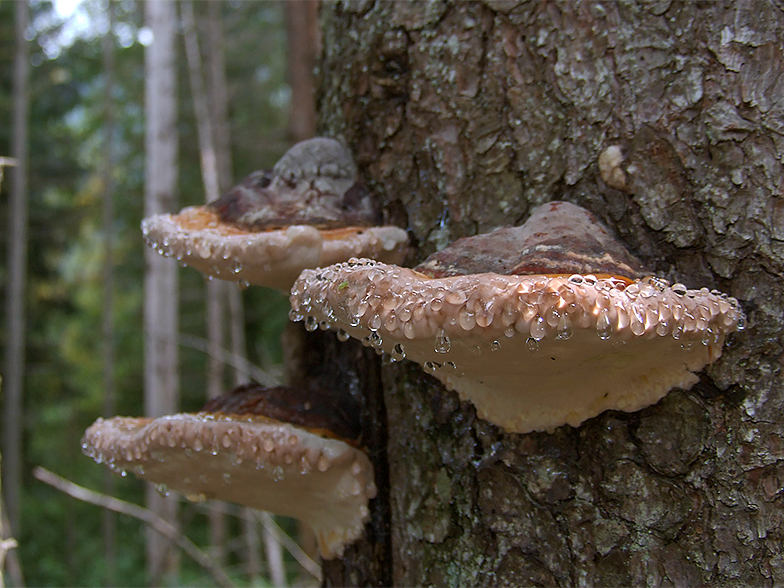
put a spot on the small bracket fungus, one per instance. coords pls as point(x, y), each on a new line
point(309, 211)
point(531, 352)
point(238, 450)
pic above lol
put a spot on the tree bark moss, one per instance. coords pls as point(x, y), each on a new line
point(463, 116)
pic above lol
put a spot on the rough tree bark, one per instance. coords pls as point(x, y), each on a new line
point(464, 116)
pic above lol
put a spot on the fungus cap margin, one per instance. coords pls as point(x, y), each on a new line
point(530, 352)
point(252, 461)
point(197, 238)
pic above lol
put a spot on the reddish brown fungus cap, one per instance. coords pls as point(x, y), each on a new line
point(234, 451)
point(531, 352)
point(309, 211)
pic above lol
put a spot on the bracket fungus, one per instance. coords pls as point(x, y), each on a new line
point(240, 449)
point(309, 211)
point(546, 324)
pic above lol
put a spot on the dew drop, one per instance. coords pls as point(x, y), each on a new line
point(564, 329)
point(443, 344)
point(496, 345)
point(342, 335)
point(398, 352)
point(375, 340)
point(162, 489)
point(278, 474)
point(311, 324)
point(603, 327)
point(679, 289)
point(532, 344)
point(295, 316)
point(466, 318)
point(538, 328)
point(431, 367)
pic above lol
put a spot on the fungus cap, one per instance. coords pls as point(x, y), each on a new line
point(531, 352)
point(247, 459)
point(309, 211)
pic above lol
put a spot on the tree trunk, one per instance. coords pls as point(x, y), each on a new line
point(302, 33)
point(463, 116)
point(13, 385)
point(161, 381)
point(215, 292)
point(109, 522)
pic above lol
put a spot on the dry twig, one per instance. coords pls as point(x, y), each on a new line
point(147, 516)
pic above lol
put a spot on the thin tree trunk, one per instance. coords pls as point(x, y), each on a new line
point(108, 346)
point(161, 385)
point(303, 40)
point(216, 291)
point(463, 116)
point(303, 36)
point(13, 388)
point(219, 110)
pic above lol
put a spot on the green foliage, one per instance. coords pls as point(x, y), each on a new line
point(61, 542)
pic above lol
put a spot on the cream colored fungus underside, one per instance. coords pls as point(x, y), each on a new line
point(262, 464)
point(530, 352)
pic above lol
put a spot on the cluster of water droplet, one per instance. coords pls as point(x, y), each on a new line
point(385, 306)
point(277, 447)
point(228, 256)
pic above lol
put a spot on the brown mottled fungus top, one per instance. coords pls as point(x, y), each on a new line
point(531, 352)
point(309, 211)
point(236, 450)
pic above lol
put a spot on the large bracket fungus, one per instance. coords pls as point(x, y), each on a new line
point(309, 211)
point(279, 450)
point(564, 327)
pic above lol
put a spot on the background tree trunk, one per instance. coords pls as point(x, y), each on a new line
point(13, 385)
point(464, 116)
point(109, 522)
point(303, 40)
point(161, 381)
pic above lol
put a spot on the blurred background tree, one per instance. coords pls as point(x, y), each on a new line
point(61, 542)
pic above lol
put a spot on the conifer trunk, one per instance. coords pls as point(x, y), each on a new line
point(161, 366)
point(463, 117)
point(13, 384)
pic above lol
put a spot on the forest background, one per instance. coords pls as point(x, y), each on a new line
point(60, 539)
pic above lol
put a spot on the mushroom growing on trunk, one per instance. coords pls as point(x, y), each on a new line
point(309, 211)
point(282, 450)
point(546, 324)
